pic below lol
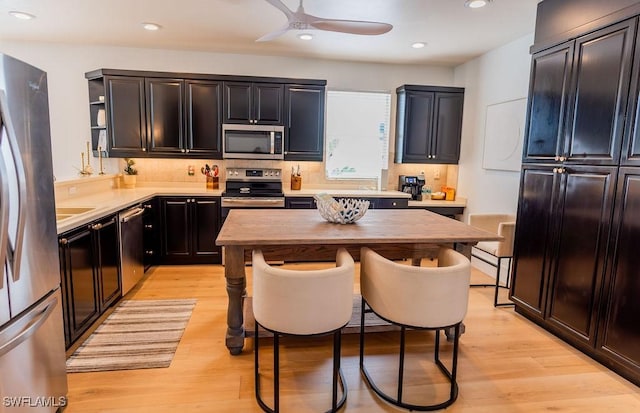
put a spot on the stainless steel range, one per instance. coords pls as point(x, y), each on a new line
point(252, 188)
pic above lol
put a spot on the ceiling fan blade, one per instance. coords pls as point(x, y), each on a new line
point(280, 6)
point(352, 26)
point(274, 34)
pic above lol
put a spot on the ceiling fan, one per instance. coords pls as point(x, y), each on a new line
point(299, 20)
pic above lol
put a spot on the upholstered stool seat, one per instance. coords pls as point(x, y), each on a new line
point(430, 298)
point(302, 303)
point(503, 225)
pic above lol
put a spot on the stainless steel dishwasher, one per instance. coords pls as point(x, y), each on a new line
point(131, 248)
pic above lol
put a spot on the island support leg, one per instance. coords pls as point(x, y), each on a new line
point(236, 288)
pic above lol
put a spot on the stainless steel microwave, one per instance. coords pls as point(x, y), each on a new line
point(252, 141)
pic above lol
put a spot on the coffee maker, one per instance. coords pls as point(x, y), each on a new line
point(411, 185)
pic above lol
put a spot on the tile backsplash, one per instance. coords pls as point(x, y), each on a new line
point(313, 175)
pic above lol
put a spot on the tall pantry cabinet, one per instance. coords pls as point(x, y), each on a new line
point(576, 269)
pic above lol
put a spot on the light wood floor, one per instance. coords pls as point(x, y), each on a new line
point(506, 364)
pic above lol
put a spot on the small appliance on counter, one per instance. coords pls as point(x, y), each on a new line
point(411, 185)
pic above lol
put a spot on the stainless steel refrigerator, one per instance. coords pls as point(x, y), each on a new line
point(32, 354)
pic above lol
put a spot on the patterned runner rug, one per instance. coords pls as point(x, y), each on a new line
point(139, 334)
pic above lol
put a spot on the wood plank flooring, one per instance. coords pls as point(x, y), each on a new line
point(506, 364)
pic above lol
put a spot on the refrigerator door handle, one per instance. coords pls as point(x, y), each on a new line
point(22, 186)
point(4, 210)
point(29, 327)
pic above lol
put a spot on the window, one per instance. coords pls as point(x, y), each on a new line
point(357, 134)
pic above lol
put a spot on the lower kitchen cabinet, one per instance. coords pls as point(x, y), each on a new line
point(619, 330)
point(575, 259)
point(189, 227)
point(308, 202)
point(150, 242)
point(561, 247)
point(89, 263)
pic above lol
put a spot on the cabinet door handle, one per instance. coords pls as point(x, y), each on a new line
point(63, 241)
point(144, 149)
point(149, 252)
point(96, 227)
point(148, 226)
point(555, 170)
point(557, 158)
point(563, 158)
point(148, 206)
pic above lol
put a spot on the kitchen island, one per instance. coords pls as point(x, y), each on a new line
point(304, 234)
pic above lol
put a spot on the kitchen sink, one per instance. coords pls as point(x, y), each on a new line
point(73, 210)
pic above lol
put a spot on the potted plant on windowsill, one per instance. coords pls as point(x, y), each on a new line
point(130, 172)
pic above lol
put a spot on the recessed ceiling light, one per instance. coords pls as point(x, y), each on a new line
point(22, 15)
point(151, 26)
point(305, 36)
point(476, 4)
point(418, 45)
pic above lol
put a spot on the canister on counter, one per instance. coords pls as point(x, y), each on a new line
point(450, 193)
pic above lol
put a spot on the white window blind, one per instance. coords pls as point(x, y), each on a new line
point(357, 134)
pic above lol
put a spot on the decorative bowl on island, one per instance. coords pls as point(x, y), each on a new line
point(342, 210)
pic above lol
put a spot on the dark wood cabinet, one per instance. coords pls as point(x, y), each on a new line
point(172, 115)
point(203, 107)
point(562, 237)
point(300, 202)
point(150, 233)
point(107, 245)
point(579, 98)
point(253, 103)
point(165, 117)
point(619, 329)
point(126, 127)
point(189, 229)
point(80, 295)
point(428, 124)
point(548, 92)
point(307, 202)
point(304, 122)
point(90, 269)
point(575, 266)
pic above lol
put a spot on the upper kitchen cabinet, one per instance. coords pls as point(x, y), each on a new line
point(428, 124)
point(203, 110)
point(165, 117)
point(550, 72)
point(578, 98)
point(155, 114)
point(253, 103)
point(183, 117)
point(304, 122)
point(125, 132)
point(169, 115)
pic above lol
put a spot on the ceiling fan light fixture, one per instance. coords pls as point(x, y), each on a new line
point(305, 36)
point(151, 26)
point(22, 15)
point(476, 4)
point(418, 45)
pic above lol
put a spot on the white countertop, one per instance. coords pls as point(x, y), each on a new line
point(108, 202)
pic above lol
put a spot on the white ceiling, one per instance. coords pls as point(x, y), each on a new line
point(454, 34)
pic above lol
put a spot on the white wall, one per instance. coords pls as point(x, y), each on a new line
point(68, 95)
point(498, 76)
